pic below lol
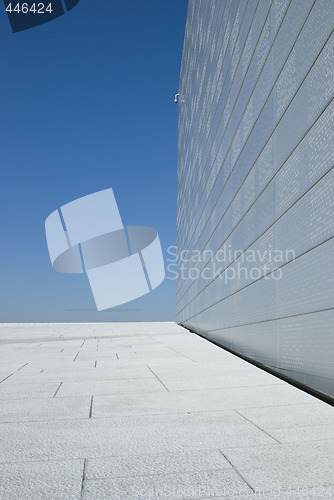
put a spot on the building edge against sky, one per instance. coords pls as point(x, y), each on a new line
point(255, 182)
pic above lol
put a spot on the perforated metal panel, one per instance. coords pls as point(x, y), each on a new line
point(255, 219)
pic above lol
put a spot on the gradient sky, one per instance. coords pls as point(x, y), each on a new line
point(87, 104)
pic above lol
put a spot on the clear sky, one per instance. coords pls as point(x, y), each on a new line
point(87, 104)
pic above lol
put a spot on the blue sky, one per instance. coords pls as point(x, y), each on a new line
point(87, 104)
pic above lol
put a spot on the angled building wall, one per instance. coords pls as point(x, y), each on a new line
point(255, 218)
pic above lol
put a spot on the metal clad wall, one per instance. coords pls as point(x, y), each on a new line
point(256, 178)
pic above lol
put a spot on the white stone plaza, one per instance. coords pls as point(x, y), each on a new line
point(126, 411)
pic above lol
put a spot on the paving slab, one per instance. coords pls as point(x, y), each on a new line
point(11, 389)
point(122, 436)
point(200, 400)
point(111, 386)
point(41, 480)
point(285, 466)
point(160, 463)
point(47, 409)
point(291, 416)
